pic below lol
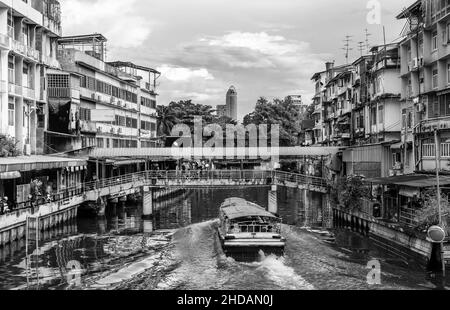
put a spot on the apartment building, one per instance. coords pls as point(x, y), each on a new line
point(317, 103)
point(425, 72)
point(29, 30)
point(361, 98)
point(336, 105)
point(99, 104)
point(384, 121)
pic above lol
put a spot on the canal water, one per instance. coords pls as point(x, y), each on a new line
point(180, 249)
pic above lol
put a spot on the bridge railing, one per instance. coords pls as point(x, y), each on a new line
point(300, 179)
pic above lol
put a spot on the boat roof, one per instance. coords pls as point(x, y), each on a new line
point(235, 208)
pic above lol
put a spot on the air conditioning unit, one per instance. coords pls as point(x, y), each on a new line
point(415, 63)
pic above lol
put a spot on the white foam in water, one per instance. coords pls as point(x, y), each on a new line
point(283, 275)
point(129, 272)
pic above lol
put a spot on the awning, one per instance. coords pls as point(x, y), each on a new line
point(38, 162)
point(10, 175)
point(397, 146)
point(124, 162)
point(412, 180)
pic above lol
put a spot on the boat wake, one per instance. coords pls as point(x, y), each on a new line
point(202, 264)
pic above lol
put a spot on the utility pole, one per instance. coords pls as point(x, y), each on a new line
point(361, 47)
point(347, 47)
point(438, 168)
point(367, 39)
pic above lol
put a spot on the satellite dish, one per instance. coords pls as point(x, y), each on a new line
point(436, 234)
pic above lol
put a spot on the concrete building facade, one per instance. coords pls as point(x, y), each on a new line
point(29, 31)
point(231, 102)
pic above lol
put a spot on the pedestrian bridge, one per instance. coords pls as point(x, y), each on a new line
point(63, 205)
point(202, 179)
point(216, 153)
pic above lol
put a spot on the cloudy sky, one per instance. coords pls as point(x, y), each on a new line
point(265, 48)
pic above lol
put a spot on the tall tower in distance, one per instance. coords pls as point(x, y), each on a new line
point(232, 103)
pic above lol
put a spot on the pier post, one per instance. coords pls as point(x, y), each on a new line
point(102, 207)
point(147, 202)
point(273, 201)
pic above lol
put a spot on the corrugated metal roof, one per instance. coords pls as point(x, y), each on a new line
point(412, 180)
point(235, 208)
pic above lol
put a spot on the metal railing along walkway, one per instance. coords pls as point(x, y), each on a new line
point(193, 178)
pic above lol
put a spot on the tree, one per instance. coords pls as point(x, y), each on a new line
point(428, 215)
point(8, 146)
point(184, 112)
point(349, 191)
point(167, 119)
point(279, 112)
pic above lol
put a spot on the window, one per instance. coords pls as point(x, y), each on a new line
point(11, 114)
point(85, 114)
point(11, 70)
point(373, 116)
point(435, 79)
point(58, 80)
point(433, 107)
point(100, 143)
point(447, 34)
point(448, 73)
point(381, 114)
point(434, 41)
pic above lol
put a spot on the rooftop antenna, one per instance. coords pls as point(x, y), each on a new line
point(346, 47)
point(367, 39)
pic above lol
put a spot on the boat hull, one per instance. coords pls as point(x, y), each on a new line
point(252, 249)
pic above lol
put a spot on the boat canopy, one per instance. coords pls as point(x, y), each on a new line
point(235, 208)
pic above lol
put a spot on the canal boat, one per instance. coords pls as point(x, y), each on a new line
point(246, 229)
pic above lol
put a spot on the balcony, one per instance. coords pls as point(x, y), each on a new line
point(429, 150)
point(88, 127)
point(50, 61)
point(63, 92)
point(28, 93)
point(19, 47)
point(53, 26)
point(15, 89)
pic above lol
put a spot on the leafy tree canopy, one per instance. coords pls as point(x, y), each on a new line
point(278, 112)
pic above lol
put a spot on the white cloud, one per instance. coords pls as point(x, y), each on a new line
point(259, 42)
point(116, 19)
point(183, 74)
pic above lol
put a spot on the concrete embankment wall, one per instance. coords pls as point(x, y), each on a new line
point(386, 236)
point(13, 225)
